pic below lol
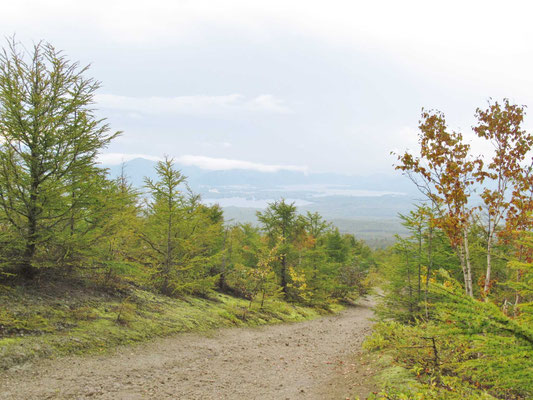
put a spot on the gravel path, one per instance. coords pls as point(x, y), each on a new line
point(316, 359)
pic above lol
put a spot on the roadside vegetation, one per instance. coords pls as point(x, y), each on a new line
point(80, 318)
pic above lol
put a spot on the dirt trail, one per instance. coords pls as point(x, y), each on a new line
point(310, 360)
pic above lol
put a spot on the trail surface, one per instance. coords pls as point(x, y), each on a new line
point(310, 360)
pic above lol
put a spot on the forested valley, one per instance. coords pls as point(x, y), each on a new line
point(88, 262)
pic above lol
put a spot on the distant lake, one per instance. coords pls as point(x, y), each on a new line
point(319, 190)
point(250, 202)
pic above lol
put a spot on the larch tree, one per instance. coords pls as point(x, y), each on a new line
point(281, 221)
point(316, 230)
point(262, 278)
point(415, 223)
point(180, 235)
point(118, 243)
point(49, 139)
point(315, 224)
point(163, 215)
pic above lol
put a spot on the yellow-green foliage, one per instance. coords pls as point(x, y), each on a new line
point(125, 312)
point(36, 325)
point(298, 284)
point(84, 313)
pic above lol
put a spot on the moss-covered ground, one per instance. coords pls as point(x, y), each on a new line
point(71, 319)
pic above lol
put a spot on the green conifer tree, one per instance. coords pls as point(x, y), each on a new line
point(49, 140)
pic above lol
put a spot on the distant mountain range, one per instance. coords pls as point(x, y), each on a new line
point(365, 206)
point(198, 178)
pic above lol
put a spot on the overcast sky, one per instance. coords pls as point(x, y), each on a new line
point(304, 85)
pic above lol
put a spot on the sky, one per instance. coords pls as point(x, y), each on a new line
point(313, 86)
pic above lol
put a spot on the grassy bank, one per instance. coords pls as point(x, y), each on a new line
point(396, 382)
point(68, 319)
point(401, 376)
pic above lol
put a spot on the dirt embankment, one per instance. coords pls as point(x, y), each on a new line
point(310, 360)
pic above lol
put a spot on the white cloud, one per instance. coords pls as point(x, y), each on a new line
point(267, 102)
point(203, 162)
point(193, 105)
point(119, 158)
point(214, 164)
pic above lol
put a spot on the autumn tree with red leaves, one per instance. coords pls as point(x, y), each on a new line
point(445, 172)
point(501, 124)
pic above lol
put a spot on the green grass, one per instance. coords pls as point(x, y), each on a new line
point(63, 321)
point(396, 382)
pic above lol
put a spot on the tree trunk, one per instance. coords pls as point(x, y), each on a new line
point(284, 274)
point(168, 259)
point(263, 300)
point(461, 254)
point(410, 290)
point(429, 267)
point(27, 269)
point(419, 263)
point(470, 291)
point(222, 279)
point(486, 287)
point(517, 298)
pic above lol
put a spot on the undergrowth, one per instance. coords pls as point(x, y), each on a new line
point(467, 349)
